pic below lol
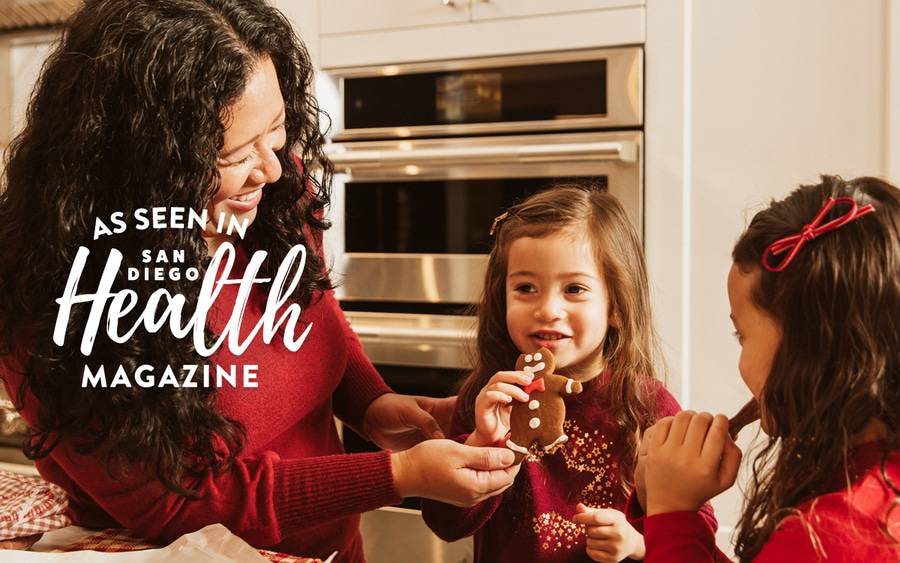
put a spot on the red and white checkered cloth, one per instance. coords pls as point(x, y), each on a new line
point(29, 506)
point(112, 540)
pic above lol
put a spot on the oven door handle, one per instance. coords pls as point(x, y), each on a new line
point(418, 333)
point(624, 151)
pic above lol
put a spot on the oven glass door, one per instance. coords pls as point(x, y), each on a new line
point(417, 215)
point(452, 216)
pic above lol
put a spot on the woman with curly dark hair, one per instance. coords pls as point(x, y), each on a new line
point(203, 106)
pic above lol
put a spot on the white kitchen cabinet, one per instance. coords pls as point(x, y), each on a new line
point(364, 33)
point(498, 9)
point(351, 16)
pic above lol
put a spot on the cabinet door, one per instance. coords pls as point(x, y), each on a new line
point(349, 16)
point(497, 9)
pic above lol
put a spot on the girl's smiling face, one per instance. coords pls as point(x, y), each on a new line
point(556, 297)
point(757, 332)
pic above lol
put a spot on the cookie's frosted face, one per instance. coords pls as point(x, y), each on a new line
point(540, 363)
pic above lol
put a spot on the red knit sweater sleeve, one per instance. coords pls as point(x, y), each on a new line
point(361, 383)
point(677, 537)
point(449, 522)
point(260, 498)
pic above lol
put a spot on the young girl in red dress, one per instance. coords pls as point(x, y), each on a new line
point(815, 301)
point(566, 273)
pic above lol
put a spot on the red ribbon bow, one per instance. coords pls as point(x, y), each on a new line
point(795, 242)
point(536, 385)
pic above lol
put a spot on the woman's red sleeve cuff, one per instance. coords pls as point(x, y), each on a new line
point(318, 489)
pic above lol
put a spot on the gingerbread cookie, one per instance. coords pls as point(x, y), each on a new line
point(539, 422)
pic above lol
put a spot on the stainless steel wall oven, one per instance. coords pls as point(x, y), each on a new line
point(427, 154)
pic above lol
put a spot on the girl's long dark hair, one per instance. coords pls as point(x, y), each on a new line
point(128, 113)
point(838, 364)
point(629, 350)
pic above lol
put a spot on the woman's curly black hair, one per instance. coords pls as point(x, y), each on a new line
point(128, 113)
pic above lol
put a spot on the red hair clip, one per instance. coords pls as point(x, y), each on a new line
point(795, 242)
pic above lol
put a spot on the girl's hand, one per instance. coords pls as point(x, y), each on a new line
point(610, 538)
point(494, 404)
point(398, 422)
point(453, 473)
point(690, 459)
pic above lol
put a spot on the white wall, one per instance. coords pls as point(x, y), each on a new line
point(892, 67)
point(745, 100)
point(21, 57)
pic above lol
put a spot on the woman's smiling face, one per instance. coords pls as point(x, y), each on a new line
point(248, 160)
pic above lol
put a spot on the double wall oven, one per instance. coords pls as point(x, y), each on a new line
point(427, 154)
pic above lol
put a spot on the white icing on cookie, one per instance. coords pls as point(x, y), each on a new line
point(539, 367)
point(534, 422)
point(569, 386)
point(516, 447)
point(534, 404)
point(528, 369)
point(537, 357)
point(561, 440)
point(528, 358)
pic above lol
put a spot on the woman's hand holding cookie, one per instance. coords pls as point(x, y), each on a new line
point(494, 404)
point(690, 459)
point(453, 473)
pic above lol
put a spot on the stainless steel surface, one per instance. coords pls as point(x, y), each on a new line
point(392, 535)
point(443, 341)
point(616, 155)
point(504, 150)
point(426, 278)
point(624, 68)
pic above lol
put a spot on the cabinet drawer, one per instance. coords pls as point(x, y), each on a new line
point(351, 16)
point(498, 9)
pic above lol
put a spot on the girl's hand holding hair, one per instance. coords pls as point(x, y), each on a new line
point(494, 405)
point(610, 538)
point(690, 458)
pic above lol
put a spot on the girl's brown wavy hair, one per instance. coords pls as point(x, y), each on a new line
point(836, 369)
point(128, 113)
point(630, 348)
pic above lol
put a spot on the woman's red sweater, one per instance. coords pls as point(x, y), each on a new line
point(292, 489)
